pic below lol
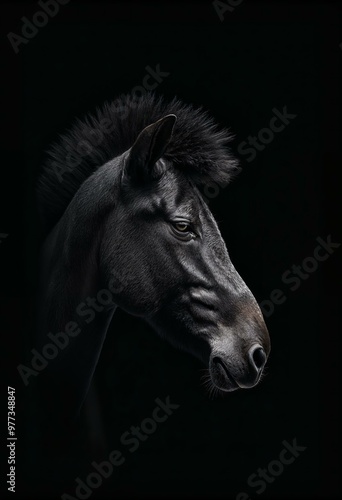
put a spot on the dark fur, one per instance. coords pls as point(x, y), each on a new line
point(119, 234)
point(197, 146)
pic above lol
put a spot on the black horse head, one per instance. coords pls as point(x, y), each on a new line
point(137, 225)
point(164, 247)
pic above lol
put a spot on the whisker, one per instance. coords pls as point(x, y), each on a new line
point(209, 387)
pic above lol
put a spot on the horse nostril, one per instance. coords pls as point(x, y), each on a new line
point(257, 357)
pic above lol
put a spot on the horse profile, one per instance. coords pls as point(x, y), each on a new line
point(129, 220)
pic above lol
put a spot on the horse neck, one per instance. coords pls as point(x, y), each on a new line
point(70, 255)
point(70, 282)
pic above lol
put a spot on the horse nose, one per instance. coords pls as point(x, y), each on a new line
point(257, 358)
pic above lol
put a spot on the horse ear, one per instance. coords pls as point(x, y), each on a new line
point(149, 148)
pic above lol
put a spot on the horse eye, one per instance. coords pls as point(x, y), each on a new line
point(182, 227)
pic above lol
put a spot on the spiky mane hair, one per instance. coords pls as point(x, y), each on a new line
point(198, 147)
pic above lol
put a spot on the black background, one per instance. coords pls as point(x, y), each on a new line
point(264, 55)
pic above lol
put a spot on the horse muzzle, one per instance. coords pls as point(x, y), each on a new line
point(230, 373)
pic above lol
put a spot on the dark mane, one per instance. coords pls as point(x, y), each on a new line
point(198, 147)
